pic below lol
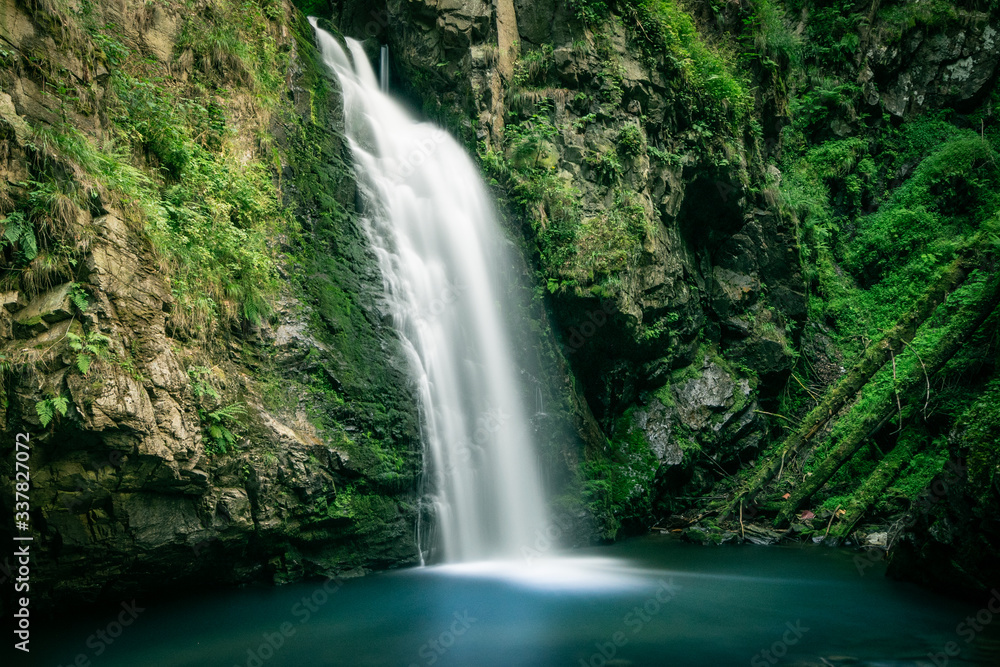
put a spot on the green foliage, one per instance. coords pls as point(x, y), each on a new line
point(201, 384)
point(816, 106)
point(93, 345)
point(772, 37)
point(606, 165)
point(667, 30)
point(618, 482)
point(211, 216)
point(630, 140)
point(239, 46)
point(890, 252)
point(832, 39)
point(18, 233)
point(528, 139)
point(611, 78)
point(607, 244)
point(371, 513)
point(47, 409)
point(919, 472)
point(979, 426)
point(78, 297)
point(589, 12)
point(896, 19)
point(531, 67)
point(169, 159)
point(219, 438)
point(672, 159)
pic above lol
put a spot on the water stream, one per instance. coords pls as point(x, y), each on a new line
point(440, 250)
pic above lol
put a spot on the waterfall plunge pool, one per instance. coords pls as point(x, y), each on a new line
point(645, 601)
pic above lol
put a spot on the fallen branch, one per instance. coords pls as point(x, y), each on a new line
point(832, 517)
point(969, 318)
point(883, 475)
point(873, 359)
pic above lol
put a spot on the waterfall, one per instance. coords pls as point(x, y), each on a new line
point(441, 252)
point(383, 68)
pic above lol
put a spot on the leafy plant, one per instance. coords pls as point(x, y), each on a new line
point(672, 159)
point(605, 164)
point(589, 12)
point(200, 384)
point(630, 140)
point(219, 437)
point(93, 345)
point(78, 296)
point(47, 409)
point(17, 232)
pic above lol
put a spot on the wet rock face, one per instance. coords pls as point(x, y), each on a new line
point(125, 496)
point(934, 68)
point(716, 266)
point(713, 412)
point(656, 423)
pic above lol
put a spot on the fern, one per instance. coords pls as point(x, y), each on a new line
point(95, 344)
point(83, 362)
point(48, 408)
point(220, 437)
point(44, 410)
point(199, 386)
point(228, 413)
point(16, 230)
point(79, 297)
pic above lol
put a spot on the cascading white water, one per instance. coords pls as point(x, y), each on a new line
point(440, 250)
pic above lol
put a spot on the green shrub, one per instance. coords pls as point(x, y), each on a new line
point(630, 140)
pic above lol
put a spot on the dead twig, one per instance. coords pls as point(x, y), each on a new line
point(895, 390)
point(742, 532)
point(832, 517)
point(775, 414)
point(927, 402)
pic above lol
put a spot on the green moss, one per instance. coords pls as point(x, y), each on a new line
point(666, 29)
point(918, 474)
point(170, 159)
point(978, 427)
point(370, 514)
point(618, 481)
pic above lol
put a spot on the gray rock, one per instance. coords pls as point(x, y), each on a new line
point(935, 69)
